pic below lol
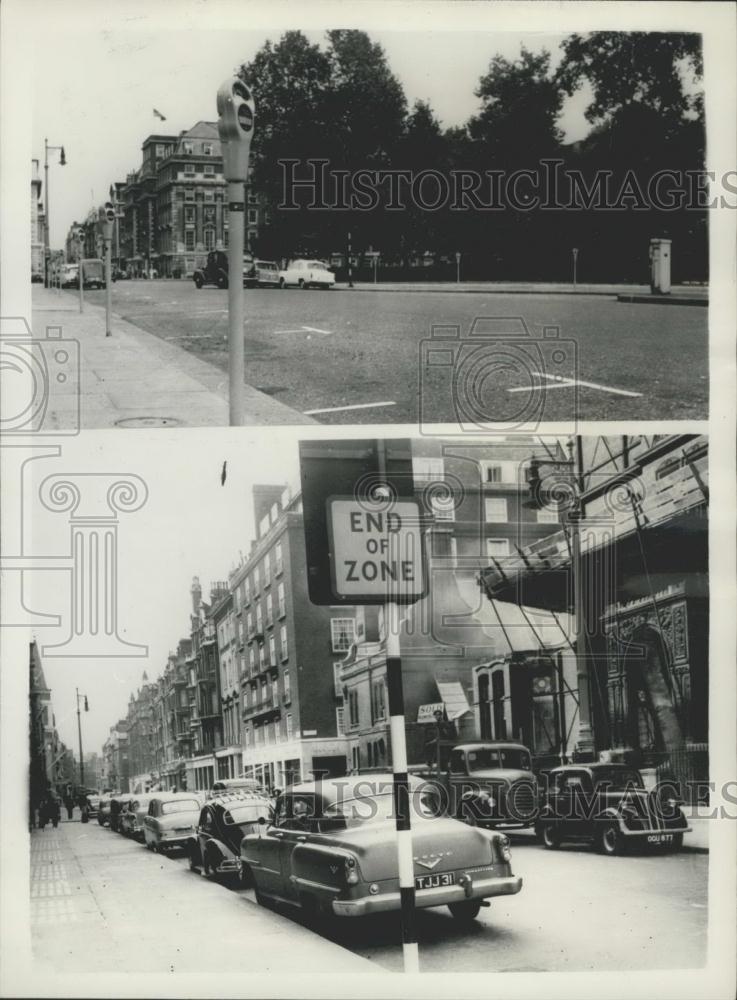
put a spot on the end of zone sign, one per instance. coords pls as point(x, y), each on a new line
point(377, 551)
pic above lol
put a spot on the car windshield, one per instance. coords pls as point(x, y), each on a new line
point(266, 265)
point(318, 265)
point(249, 813)
point(185, 805)
point(491, 758)
point(617, 779)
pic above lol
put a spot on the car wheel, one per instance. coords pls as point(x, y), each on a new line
point(466, 911)
point(198, 281)
point(245, 876)
point(550, 836)
point(282, 284)
point(609, 839)
point(222, 281)
point(194, 857)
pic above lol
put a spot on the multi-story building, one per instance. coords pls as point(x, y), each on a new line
point(286, 650)
point(37, 224)
point(203, 686)
point(174, 207)
point(230, 755)
point(473, 499)
point(642, 563)
point(51, 763)
point(141, 737)
point(116, 765)
point(173, 736)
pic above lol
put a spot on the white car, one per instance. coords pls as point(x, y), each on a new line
point(306, 274)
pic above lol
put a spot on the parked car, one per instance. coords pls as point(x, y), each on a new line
point(131, 818)
point(117, 804)
point(330, 848)
point(93, 273)
point(262, 274)
point(247, 785)
point(488, 783)
point(171, 820)
point(70, 276)
point(609, 806)
point(215, 271)
point(306, 274)
point(103, 810)
point(223, 822)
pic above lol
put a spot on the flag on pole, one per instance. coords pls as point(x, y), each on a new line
point(158, 114)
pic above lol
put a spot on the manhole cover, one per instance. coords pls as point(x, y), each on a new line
point(272, 390)
point(149, 422)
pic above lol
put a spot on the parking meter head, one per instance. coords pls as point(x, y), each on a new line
point(236, 117)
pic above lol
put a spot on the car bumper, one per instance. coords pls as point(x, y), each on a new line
point(441, 896)
point(657, 835)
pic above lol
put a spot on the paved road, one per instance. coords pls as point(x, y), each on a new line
point(578, 911)
point(335, 350)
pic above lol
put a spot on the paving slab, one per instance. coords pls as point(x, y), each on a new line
point(133, 378)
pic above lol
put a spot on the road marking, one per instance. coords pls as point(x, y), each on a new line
point(307, 329)
point(567, 383)
point(353, 406)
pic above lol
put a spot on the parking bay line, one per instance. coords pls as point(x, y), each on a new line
point(567, 383)
point(352, 406)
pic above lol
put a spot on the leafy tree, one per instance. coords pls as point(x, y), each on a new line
point(626, 68)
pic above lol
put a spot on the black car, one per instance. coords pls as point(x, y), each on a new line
point(224, 821)
point(609, 806)
point(215, 271)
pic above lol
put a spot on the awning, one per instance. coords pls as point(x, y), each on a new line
point(454, 699)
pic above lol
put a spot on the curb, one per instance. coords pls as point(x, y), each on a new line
point(664, 300)
point(675, 300)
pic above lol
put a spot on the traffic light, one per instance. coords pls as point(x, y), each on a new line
point(106, 219)
point(236, 115)
point(86, 705)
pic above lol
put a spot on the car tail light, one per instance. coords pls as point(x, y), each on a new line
point(351, 871)
point(505, 848)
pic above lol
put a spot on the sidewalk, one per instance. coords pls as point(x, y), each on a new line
point(680, 294)
point(134, 379)
point(101, 903)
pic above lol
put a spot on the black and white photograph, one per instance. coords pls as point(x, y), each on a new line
point(368, 556)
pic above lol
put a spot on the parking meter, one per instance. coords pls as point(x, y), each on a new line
point(236, 115)
point(80, 267)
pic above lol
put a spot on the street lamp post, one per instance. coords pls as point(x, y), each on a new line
point(575, 266)
point(79, 733)
point(62, 163)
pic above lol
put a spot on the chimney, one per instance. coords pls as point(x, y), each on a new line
point(196, 591)
point(264, 498)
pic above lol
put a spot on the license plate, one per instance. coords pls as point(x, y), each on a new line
point(660, 838)
point(433, 881)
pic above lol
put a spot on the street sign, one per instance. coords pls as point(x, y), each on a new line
point(376, 550)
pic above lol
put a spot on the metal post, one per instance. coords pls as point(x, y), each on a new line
point(108, 287)
point(575, 261)
point(376, 268)
point(236, 354)
point(458, 268)
point(585, 742)
point(80, 276)
point(46, 213)
point(350, 266)
point(79, 731)
point(405, 860)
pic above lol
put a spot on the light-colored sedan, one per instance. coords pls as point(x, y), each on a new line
point(171, 820)
point(306, 274)
point(131, 819)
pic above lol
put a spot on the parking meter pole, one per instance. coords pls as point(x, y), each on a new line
point(80, 275)
point(108, 288)
point(401, 788)
point(575, 262)
point(236, 354)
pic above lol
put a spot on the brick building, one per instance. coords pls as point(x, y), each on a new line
point(38, 220)
point(116, 765)
point(286, 649)
point(203, 688)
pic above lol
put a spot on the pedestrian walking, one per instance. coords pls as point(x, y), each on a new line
point(69, 803)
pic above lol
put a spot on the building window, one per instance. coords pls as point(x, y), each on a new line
point(209, 214)
point(252, 198)
point(353, 707)
point(495, 472)
point(280, 599)
point(187, 148)
point(207, 148)
point(252, 216)
point(287, 687)
point(209, 195)
point(160, 151)
point(269, 607)
point(209, 239)
point(252, 235)
point(289, 725)
point(189, 195)
point(428, 470)
point(283, 642)
point(257, 581)
point(343, 634)
point(495, 509)
point(336, 680)
point(272, 651)
point(279, 556)
point(189, 239)
point(547, 515)
point(356, 758)
point(497, 548)
point(225, 236)
point(378, 703)
point(209, 172)
point(259, 619)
